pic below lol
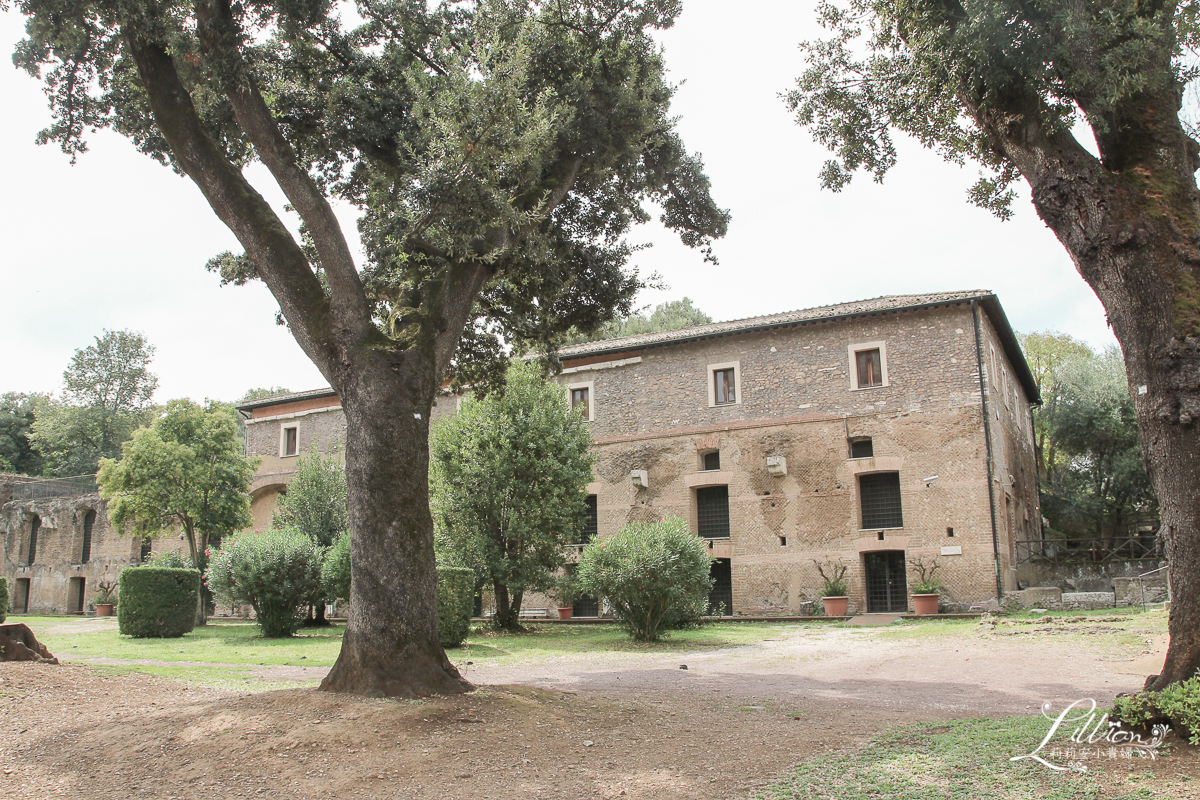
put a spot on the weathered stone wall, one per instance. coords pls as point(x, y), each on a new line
point(58, 573)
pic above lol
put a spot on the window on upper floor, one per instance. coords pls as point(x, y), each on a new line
point(89, 523)
point(868, 365)
point(862, 448)
point(712, 512)
point(591, 521)
point(711, 460)
point(724, 384)
point(289, 440)
point(879, 499)
point(580, 395)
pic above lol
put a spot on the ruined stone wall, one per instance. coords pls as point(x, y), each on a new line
point(59, 577)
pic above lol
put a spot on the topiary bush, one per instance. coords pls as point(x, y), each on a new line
point(3, 598)
point(456, 600)
point(277, 572)
point(655, 575)
point(158, 601)
point(1178, 704)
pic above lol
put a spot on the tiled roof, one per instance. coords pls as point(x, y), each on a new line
point(287, 398)
point(874, 305)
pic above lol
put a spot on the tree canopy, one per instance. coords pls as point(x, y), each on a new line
point(508, 475)
point(1008, 84)
point(669, 316)
point(17, 414)
point(185, 473)
point(315, 501)
point(107, 390)
point(498, 151)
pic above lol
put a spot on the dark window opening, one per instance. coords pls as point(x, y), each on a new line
point(949, 531)
point(862, 448)
point(712, 512)
point(586, 606)
point(89, 522)
point(75, 599)
point(720, 596)
point(880, 536)
point(291, 441)
point(783, 541)
point(581, 401)
point(591, 521)
point(712, 460)
point(477, 606)
point(21, 599)
point(870, 371)
point(35, 525)
point(147, 546)
point(880, 496)
point(887, 586)
point(724, 387)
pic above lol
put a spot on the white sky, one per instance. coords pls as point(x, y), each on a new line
point(118, 241)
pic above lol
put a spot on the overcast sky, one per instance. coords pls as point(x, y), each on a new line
point(119, 242)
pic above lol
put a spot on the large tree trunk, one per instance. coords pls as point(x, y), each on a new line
point(391, 645)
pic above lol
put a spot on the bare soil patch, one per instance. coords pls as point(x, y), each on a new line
point(614, 725)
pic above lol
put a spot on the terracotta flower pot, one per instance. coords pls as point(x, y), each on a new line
point(925, 604)
point(104, 609)
point(836, 606)
point(565, 613)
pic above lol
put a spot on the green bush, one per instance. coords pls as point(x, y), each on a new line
point(171, 559)
point(3, 598)
point(277, 572)
point(656, 575)
point(158, 601)
point(335, 568)
point(1178, 704)
point(456, 599)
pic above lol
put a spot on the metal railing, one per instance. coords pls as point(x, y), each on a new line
point(1141, 579)
point(42, 488)
point(1118, 548)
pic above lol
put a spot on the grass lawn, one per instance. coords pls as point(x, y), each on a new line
point(969, 760)
point(210, 654)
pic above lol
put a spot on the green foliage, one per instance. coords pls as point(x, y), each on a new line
point(1178, 704)
point(927, 581)
point(834, 580)
point(158, 602)
point(456, 600)
point(315, 503)
point(335, 568)
point(185, 472)
point(1093, 481)
point(17, 414)
point(669, 316)
point(259, 394)
point(508, 475)
point(106, 396)
point(651, 572)
point(933, 69)
point(276, 572)
point(3, 598)
point(171, 559)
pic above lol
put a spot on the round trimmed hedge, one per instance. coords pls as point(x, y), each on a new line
point(456, 600)
point(158, 601)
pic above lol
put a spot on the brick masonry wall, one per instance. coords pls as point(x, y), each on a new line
point(57, 566)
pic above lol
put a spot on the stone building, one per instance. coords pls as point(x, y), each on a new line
point(56, 544)
point(870, 434)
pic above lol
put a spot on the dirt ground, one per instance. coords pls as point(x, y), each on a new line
point(620, 725)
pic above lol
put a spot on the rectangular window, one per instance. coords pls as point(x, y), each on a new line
point(724, 384)
point(582, 398)
point(34, 526)
point(290, 444)
point(89, 522)
point(591, 521)
point(712, 460)
point(712, 512)
point(879, 494)
point(147, 549)
point(868, 365)
point(870, 371)
point(862, 448)
point(581, 402)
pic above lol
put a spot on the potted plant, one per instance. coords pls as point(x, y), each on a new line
point(566, 593)
point(105, 598)
point(927, 589)
point(835, 590)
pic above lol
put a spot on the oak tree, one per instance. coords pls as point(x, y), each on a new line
point(1011, 85)
point(498, 150)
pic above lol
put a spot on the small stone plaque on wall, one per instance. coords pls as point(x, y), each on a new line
point(952, 550)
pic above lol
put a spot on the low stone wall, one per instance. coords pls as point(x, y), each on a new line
point(1135, 591)
point(1085, 577)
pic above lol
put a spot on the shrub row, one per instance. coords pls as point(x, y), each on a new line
point(158, 601)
